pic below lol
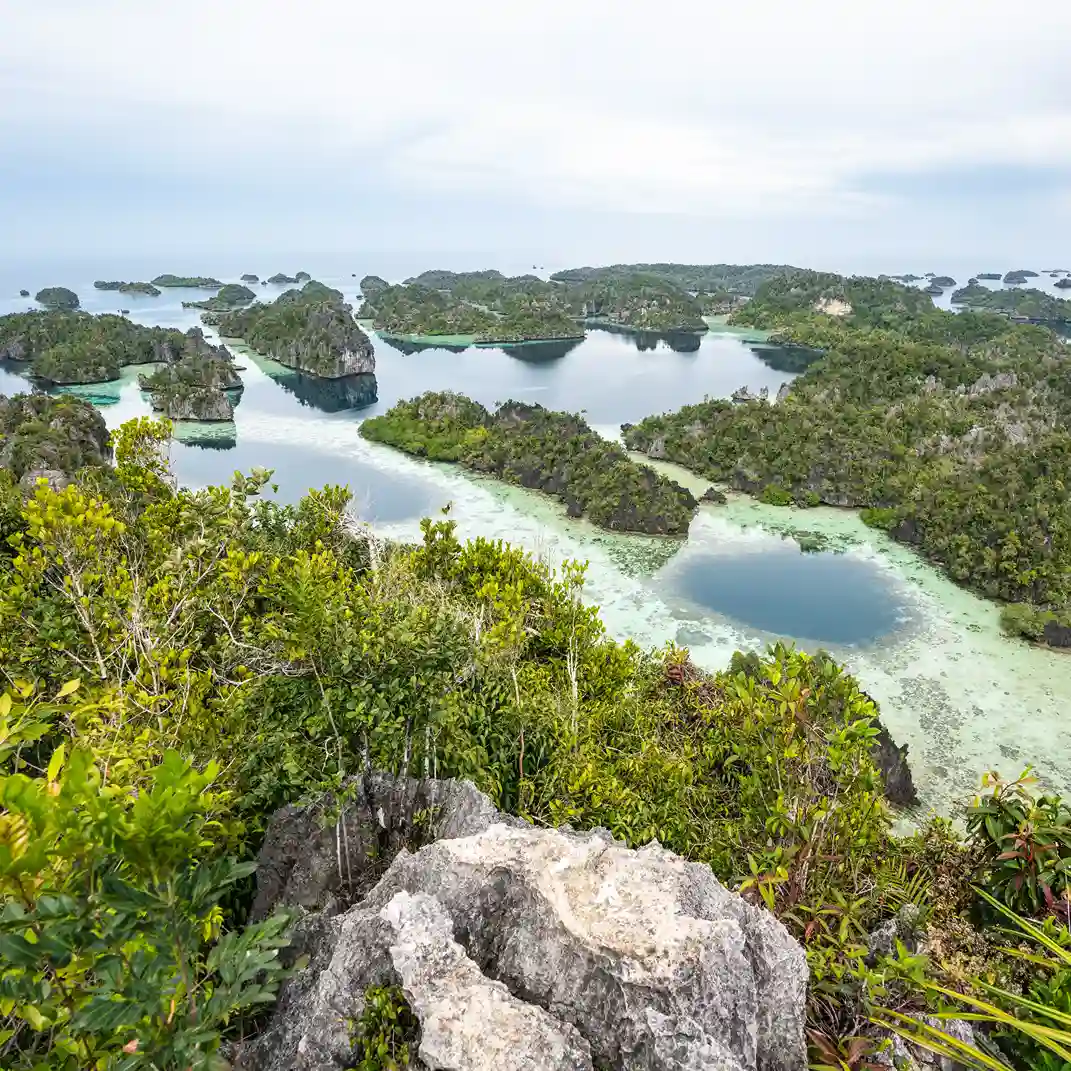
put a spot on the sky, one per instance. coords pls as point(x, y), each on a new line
point(848, 135)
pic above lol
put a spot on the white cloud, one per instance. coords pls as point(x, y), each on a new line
point(721, 109)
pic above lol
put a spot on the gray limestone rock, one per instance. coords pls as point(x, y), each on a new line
point(469, 1021)
point(578, 949)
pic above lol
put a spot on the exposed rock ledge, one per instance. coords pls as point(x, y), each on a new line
point(519, 947)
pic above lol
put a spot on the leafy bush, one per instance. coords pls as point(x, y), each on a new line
point(111, 931)
point(1025, 841)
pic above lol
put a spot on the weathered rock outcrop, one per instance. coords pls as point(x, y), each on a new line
point(24, 293)
point(519, 947)
point(49, 436)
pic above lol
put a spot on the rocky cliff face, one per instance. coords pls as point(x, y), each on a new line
point(332, 345)
point(518, 947)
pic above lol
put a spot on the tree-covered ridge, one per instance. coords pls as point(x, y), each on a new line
point(75, 347)
point(57, 297)
point(127, 288)
point(951, 430)
point(479, 308)
point(192, 282)
point(637, 302)
point(311, 329)
point(188, 661)
point(556, 453)
point(192, 385)
point(742, 279)
point(1029, 303)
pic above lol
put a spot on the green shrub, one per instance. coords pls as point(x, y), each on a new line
point(773, 495)
point(1025, 843)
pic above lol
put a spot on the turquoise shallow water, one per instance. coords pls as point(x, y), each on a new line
point(961, 695)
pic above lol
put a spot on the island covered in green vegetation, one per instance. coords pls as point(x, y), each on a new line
point(1015, 278)
point(62, 348)
point(281, 278)
point(949, 430)
point(57, 297)
point(1027, 304)
point(992, 276)
point(742, 279)
point(482, 307)
point(127, 288)
point(189, 282)
point(556, 453)
point(194, 383)
point(230, 296)
point(644, 303)
point(311, 330)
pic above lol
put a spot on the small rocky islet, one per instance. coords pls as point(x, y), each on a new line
point(197, 381)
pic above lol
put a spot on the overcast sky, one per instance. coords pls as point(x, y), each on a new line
point(845, 134)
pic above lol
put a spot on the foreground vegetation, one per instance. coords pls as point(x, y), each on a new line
point(180, 663)
point(552, 452)
point(950, 431)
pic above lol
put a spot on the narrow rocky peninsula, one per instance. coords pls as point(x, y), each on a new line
point(556, 453)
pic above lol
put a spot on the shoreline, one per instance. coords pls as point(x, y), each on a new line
point(466, 340)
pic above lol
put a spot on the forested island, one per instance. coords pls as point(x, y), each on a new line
point(189, 282)
point(488, 307)
point(950, 431)
point(1028, 304)
point(60, 348)
point(470, 307)
point(57, 297)
point(197, 382)
point(230, 296)
point(311, 330)
point(250, 277)
point(992, 276)
point(639, 303)
point(199, 676)
point(128, 288)
point(556, 453)
point(742, 279)
point(1015, 278)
